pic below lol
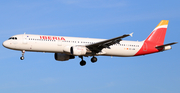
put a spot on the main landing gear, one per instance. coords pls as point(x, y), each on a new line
point(82, 63)
point(93, 59)
point(22, 57)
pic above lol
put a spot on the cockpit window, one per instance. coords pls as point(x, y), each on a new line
point(13, 38)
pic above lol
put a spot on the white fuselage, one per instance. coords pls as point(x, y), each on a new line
point(65, 48)
point(56, 44)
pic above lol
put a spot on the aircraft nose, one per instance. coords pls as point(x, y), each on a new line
point(5, 44)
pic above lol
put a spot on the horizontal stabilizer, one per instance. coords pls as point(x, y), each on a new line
point(162, 46)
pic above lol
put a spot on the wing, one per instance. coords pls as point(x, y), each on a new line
point(97, 47)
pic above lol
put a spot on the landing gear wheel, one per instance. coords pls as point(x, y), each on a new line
point(93, 59)
point(82, 63)
point(22, 58)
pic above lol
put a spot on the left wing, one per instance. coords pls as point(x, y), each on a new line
point(97, 47)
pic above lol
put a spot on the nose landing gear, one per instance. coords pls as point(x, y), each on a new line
point(22, 57)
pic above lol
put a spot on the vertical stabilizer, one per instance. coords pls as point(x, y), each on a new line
point(158, 34)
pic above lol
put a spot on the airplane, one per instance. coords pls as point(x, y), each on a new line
point(65, 48)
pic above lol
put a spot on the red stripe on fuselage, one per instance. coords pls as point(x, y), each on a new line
point(147, 48)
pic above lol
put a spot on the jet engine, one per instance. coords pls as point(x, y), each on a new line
point(62, 57)
point(167, 48)
point(78, 50)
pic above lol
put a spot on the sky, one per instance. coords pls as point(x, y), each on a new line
point(41, 73)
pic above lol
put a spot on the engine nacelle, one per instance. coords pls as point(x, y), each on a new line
point(62, 57)
point(167, 48)
point(78, 50)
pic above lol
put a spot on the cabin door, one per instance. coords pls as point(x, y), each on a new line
point(145, 46)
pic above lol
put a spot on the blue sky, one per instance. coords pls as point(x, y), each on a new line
point(40, 73)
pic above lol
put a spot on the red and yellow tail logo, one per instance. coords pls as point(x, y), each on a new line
point(156, 38)
point(158, 34)
point(162, 24)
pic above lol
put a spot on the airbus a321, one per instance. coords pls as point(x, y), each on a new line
point(65, 48)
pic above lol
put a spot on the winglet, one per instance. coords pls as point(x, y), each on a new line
point(131, 34)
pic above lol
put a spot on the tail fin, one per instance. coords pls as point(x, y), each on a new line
point(158, 34)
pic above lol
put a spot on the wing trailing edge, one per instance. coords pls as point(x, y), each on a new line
point(97, 47)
